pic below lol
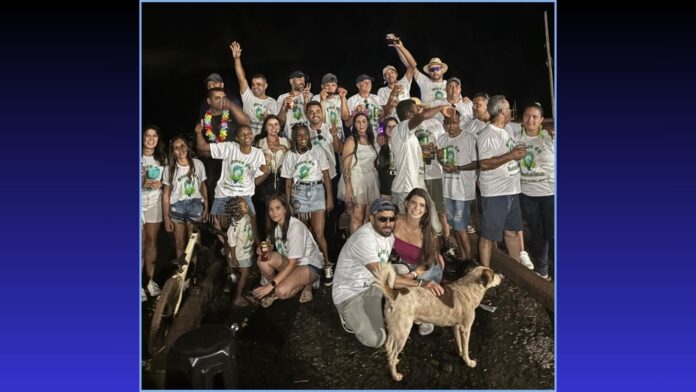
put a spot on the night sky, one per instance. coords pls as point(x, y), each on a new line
point(497, 48)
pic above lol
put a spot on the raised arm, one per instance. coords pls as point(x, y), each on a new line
point(238, 68)
point(237, 112)
point(405, 56)
point(446, 111)
point(201, 145)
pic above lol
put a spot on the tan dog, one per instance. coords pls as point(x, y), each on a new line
point(456, 308)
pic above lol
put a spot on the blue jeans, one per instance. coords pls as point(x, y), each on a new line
point(433, 273)
point(190, 208)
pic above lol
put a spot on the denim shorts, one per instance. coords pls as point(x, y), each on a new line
point(219, 205)
point(433, 273)
point(190, 208)
point(457, 213)
point(500, 213)
point(308, 197)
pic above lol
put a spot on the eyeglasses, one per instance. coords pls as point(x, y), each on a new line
point(385, 219)
point(435, 69)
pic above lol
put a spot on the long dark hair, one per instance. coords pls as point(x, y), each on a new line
point(172, 158)
point(263, 133)
point(384, 154)
point(430, 247)
point(356, 136)
point(286, 221)
point(160, 153)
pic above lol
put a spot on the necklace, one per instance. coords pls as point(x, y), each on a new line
point(224, 124)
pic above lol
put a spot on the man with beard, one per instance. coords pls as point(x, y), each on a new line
point(454, 97)
point(255, 103)
point(387, 94)
point(292, 104)
point(333, 102)
point(358, 301)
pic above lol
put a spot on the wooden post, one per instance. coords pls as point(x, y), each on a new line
point(549, 62)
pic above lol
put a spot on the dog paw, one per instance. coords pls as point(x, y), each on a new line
point(397, 376)
point(470, 362)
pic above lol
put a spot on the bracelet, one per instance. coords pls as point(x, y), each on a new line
point(273, 283)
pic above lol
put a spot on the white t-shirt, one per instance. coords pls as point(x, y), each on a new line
point(185, 188)
point(363, 247)
point(505, 179)
point(241, 237)
point(257, 109)
point(238, 170)
point(277, 157)
point(374, 109)
point(430, 91)
point(407, 156)
point(538, 175)
point(326, 144)
point(299, 244)
point(432, 130)
point(153, 172)
point(466, 111)
point(384, 93)
point(474, 126)
point(514, 130)
point(332, 112)
point(294, 116)
point(305, 167)
point(459, 151)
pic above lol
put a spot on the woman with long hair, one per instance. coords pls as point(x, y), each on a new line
point(185, 192)
point(296, 262)
point(385, 158)
point(153, 161)
point(416, 244)
point(359, 172)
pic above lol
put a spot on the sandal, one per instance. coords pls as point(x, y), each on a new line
point(306, 295)
point(268, 300)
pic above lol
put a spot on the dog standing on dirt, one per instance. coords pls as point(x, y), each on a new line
point(455, 308)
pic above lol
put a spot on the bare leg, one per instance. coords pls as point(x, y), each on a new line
point(512, 242)
point(318, 229)
point(254, 228)
point(300, 277)
point(180, 237)
point(464, 243)
point(357, 217)
point(150, 248)
point(445, 226)
point(239, 300)
point(485, 250)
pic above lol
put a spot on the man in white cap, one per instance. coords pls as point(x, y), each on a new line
point(366, 102)
point(334, 103)
point(390, 74)
point(291, 109)
point(463, 105)
point(255, 103)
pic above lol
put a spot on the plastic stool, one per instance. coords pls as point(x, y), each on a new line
point(205, 352)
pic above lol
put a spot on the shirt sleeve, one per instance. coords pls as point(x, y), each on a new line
point(421, 80)
point(365, 248)
point(297, 238)
point(165, 175)
point(200, 169)
point(286, 168)
point(220, 150)
point(488, 145)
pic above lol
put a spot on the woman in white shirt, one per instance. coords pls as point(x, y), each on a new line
point(296, 262)
point(274, 148)
point(154, 159)
point(538, 180)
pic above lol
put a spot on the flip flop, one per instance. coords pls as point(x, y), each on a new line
point(306, 296)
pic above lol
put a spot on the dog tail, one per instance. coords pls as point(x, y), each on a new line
point(384, 279)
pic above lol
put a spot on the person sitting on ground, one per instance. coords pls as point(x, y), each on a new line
point(417, 246)
point(296, 262)
point(240, 238)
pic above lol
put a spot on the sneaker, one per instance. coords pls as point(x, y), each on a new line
point(425, 329)
point(143, 296)
point(525, 260)
point(153, 288)
point(328, 276)
point(343, 324)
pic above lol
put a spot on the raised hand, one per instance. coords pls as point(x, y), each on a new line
point(342, 92)
point(236, 49)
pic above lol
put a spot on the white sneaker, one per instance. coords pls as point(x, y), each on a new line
point(426, 329)
point(143, 296)
point(153, 288)
point(525, 260)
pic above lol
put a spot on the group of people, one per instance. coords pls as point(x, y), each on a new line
point(303, 157)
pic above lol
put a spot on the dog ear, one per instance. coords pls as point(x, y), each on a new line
point(486, 277)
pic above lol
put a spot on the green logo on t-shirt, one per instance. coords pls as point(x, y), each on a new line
point(237, 173)
point(528, 160)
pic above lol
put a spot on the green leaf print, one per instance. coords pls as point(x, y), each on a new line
point(528, 161)
point(258, 111)
point(333, 118)
point(237, 174)
point(304, 172)
point(439, 94)
point(189, 187)
point(297, 112)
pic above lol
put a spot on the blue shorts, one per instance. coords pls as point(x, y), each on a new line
point(457, 213)
point(433, 273)
point(190, 208)
point(308, 196)
point(219, 205)
point(500, 213)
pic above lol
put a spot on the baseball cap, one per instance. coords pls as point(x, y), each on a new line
point(454, 79)
point(213, 77)
point(384, 70)
point(383, 205)
point(363, 77)
point(299, 74)
point(329, 78)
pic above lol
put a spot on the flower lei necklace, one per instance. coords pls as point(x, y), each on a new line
point(224, 124)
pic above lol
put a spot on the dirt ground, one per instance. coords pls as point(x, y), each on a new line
point(303, 346)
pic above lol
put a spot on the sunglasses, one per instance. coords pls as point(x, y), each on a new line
point(435, 69)
point(385, 219)
point(320, 137)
